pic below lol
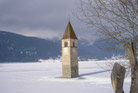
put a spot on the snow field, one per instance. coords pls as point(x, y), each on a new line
point(46, 77)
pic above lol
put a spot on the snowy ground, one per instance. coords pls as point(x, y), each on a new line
point(46, 78)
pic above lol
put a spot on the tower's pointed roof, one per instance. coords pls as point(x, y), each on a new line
point(69, 32)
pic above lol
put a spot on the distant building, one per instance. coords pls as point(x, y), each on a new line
point(69, 53)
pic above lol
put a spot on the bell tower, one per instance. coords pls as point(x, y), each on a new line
point(69, 53)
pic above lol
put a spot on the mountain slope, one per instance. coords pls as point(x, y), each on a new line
point(14, 47)
point(18, 48)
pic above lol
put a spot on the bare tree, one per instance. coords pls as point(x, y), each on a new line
point(116, 19)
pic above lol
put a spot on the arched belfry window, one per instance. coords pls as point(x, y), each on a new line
point(66, 44)
point(73, 44)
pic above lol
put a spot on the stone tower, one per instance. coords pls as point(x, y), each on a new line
point(69, 53)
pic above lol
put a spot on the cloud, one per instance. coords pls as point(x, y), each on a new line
point(41, 18)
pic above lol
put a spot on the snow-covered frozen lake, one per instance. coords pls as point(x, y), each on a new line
point(45, 77)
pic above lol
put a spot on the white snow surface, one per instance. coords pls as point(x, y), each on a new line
point(46, 77)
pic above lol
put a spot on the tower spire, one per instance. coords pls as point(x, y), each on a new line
point(69, 32)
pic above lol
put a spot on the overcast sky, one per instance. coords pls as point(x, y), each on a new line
point(42, 18)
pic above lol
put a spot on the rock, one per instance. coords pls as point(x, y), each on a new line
point(117, 78)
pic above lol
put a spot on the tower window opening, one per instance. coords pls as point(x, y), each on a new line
point(66, 44)
point(73, 44)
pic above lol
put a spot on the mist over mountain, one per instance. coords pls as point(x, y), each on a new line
point(19, 48)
